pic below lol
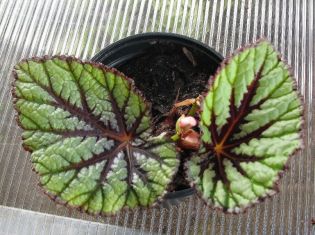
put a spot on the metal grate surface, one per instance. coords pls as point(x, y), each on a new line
point(82, 28)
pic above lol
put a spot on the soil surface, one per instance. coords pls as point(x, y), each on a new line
point(165, 72)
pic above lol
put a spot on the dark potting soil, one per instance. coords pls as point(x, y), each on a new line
point(162, 74)
point(165, 71)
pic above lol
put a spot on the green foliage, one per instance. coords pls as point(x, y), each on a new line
point(250, 122)
point(89, 132)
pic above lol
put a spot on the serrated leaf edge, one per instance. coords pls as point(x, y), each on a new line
point(104, 68)
point(301, 132)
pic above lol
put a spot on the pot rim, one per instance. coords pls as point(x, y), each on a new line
point(110, 49)
point(157, 36)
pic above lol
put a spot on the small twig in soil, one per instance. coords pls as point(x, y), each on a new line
point(195, 103)
point(177, 96)
point(186, 102)
point(189, 56)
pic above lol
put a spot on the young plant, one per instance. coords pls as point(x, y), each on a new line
point(90, 134)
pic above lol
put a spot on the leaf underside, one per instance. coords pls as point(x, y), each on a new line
point(89, 132)
point(250, 121)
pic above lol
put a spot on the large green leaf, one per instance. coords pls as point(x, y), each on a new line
point(89, 132)
point(250, 123)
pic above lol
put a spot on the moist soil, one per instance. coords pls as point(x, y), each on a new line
point(166, 74)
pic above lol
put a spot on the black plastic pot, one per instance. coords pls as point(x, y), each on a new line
point(120, 52)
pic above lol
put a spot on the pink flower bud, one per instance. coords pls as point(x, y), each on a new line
point(187, 122)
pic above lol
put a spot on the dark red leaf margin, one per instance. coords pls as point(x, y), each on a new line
point(104, 68)
point(301, 133)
